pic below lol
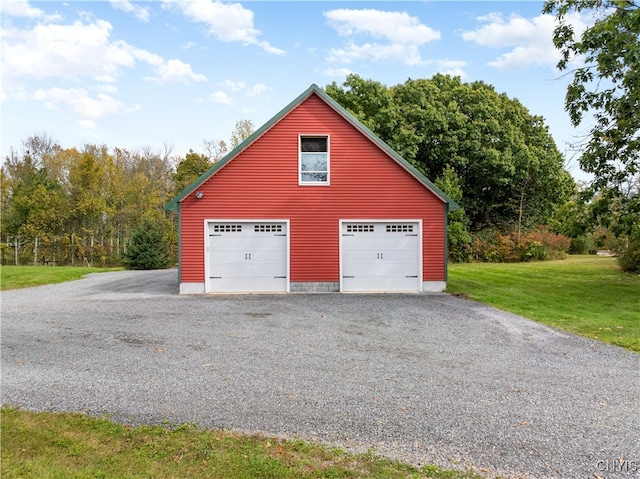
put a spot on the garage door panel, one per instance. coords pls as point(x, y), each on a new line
point(380, 257)
point(241, 284)
point(248, 257)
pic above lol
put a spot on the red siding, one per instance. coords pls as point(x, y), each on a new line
point(262, 182)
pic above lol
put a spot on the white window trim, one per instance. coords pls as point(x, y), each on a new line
point(314, 183)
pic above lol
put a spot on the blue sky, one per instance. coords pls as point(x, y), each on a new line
point(153, 73)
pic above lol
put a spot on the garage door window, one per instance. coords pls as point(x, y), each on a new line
point(360, 228)
point(227, 228)
point(266, 228)
point(399, 228)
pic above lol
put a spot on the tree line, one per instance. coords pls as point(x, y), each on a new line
point(71, 206)
point(482, 148)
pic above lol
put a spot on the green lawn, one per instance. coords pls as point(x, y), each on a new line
point(47, 445)
point(587, 295)
point(13, 277)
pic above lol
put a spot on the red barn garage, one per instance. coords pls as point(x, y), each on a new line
point(312, 201)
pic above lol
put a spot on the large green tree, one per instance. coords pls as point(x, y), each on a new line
point(506, 161)
point(189, 169)
point(37, 206)
point(604, 63)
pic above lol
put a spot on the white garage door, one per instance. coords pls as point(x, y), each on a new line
point(247, 257)
point(380, 256)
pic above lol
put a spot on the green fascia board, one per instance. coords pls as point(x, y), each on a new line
point(451, 205)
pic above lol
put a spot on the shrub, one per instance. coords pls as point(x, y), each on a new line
point(491, 246)
point(605, 239)
point(147, 248)
point(629, 257)
point(579, 245)
point(459, 242)
point(539, 244)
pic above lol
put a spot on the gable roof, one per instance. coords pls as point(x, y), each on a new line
point(313, 90)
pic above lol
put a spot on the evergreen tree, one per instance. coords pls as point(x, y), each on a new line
point(147, 248)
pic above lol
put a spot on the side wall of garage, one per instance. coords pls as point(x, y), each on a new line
point(262, 182)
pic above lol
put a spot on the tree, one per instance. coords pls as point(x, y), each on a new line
point(458, 236)
point(373, 104)
point(606, 84)
point(189, 169)
point(215, 150)
point(37, 206)
point(506, 161)
point(147, 248)
point(89, 205)
point(243, 130)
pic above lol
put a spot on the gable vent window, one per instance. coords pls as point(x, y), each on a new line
point(227, 228)
point(360, 228)
point(267, 228)
point(313, 166)
point(399, 228)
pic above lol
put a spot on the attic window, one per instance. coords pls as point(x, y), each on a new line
point(314, 160)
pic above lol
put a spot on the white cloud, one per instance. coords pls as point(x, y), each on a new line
point(530, 40)
point(175, 71)
point(65, 51)
point(81, 50)
point(221, 97)
point(337, 72)
point(409, 54)
point(228, 22)
point(78, 100)
point(257, 90)
point(141, 13)
point(401, 36)
point(452, 67)
point(107, 88)
point(21, 8)
point(233, 85)
point(397, 27)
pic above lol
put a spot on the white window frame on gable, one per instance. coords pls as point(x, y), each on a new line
point(313, 160)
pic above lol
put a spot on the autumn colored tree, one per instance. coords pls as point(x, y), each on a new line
point(243, 130)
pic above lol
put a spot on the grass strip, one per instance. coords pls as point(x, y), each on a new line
point(14, 277)
point(53, 445)
point(586, 295)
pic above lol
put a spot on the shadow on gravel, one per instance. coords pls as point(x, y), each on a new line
point(159, 282)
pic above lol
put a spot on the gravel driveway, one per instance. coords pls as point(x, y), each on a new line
point(426, 378)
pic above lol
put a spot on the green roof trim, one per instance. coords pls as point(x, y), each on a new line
point(313, 89)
